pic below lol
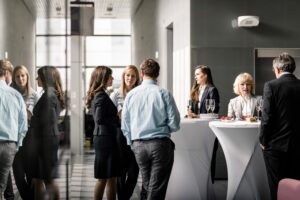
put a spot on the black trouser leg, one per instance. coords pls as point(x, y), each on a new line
point(23, 182)
point(128, 180)
point(9, 191)
point(276, 165)
point(213, 160)
point(132, 175)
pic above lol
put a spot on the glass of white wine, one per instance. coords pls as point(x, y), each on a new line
point(212, 105)
point(258, 106)
point(207, 105)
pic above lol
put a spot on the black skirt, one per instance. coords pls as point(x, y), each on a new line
point(107, 159)
point(41, 156)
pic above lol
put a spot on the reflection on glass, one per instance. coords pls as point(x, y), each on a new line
point(108, 50)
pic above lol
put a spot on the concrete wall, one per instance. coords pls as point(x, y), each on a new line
point(17, 36)
point(230, 51)
point(203, 34)
point(150, 35)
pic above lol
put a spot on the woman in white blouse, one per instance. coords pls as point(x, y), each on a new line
point(21, 82)
point(244, 104)
point(129, 168)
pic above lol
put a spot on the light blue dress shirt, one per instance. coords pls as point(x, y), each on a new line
point(13, 117)
point(149, 112)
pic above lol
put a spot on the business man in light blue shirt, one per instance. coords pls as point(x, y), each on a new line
point(13, 124)
point(149, 117)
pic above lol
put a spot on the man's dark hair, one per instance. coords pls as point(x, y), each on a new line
point(285, 63)
point(150, 68)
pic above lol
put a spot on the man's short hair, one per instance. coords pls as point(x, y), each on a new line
point(5, 65)
point(150, 68)
point(285, 63)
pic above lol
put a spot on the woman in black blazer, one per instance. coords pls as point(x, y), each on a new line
point(203, 88)
point(44, 134)
point(107, 160)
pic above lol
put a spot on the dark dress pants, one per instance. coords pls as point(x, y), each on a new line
point(129, 169)
point(22, 179)
point(9, 191)
point(281, 165)
point(128, 179)
point(155, 158)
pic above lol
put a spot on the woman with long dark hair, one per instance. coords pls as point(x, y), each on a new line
point(202, 90)
point(105, 114)
point(44, 133)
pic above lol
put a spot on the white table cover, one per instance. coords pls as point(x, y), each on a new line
point(247, 178)
point(190, 177)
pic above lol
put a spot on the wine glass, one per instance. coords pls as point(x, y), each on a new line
point(207, 105)
point(212, 105)
point(258, 107)
point(198, 111)
point(189, 105)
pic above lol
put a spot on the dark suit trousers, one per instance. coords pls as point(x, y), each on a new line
point(280, 165)
point(130, 173)
point(9, 191)
point(23, 182)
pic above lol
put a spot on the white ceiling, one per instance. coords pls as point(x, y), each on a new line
point(56, 8)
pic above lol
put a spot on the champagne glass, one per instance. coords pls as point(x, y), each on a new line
point(258, 107)
point(207, 105)
point(212, 105)
point(198, 104)
point(189, 106)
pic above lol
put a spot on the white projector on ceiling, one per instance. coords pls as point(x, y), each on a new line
point(248, 21)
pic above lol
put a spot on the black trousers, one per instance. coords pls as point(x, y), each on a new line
point(213, 160)
point(23, 181)
point(130, 172)
point(9, 191)
point(155, 158)
point(281, 165)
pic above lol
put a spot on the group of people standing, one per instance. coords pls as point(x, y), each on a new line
point(144, 120)
point(133, 126)
point(279, 106)
point(29, 137)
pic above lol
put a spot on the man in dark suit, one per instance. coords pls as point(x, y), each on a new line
point(280, 124)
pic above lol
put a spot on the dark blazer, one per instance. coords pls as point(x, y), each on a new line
point(210, 92)
point(105, 115)
point(280, 124)
point(44, 121)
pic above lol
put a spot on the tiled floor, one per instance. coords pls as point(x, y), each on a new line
point(82, 182)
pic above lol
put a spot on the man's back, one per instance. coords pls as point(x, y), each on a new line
point(285, 111)
point(153, 112)
point(13, 113)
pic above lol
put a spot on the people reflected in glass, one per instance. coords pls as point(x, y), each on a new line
point(43, 135)
point(21, 82)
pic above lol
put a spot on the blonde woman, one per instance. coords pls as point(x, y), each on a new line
point(21, 82)
point(244, 104)
point(130, 170)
